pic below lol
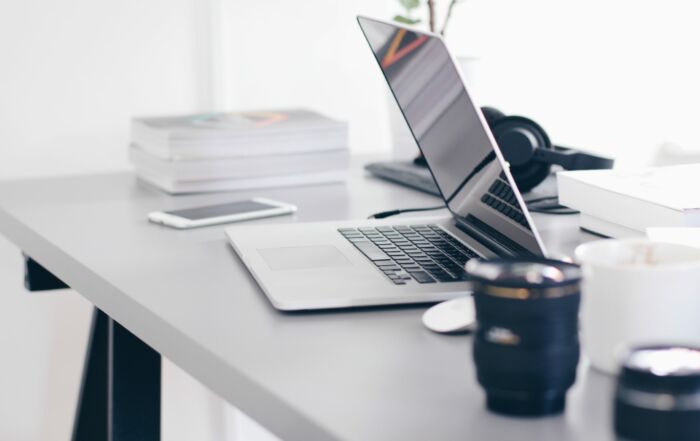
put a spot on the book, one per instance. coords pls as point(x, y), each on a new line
point(633, 199)
point(238, 134)
point(605, 228)
point(175, 186)
point(239, 167)
point(683, 236)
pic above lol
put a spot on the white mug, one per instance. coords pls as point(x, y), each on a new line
point(637, 293)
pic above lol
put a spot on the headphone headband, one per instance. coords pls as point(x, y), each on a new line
point(527, 148)
point(572, 159)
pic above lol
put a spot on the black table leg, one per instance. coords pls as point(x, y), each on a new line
point(120, 389)
point(120, 392)
point(91, 416)
point(134, 388)
point(38, 278)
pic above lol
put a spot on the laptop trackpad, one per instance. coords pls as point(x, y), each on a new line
point(306, 257)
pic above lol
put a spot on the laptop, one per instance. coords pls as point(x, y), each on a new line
point(406, 173)
point(306, 266)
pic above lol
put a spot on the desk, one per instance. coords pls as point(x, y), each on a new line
point(360, 375)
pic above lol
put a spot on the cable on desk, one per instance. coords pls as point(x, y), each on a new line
point(554, 208)
point(389, 213)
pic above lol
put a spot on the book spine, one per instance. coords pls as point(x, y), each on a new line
point(210, 186)
point(615, 207)
point(607, 229)
point(241, 168)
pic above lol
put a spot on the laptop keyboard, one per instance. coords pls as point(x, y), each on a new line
point(424, 253)
point(501, 198)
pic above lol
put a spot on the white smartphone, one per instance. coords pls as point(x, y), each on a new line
point(219, 214)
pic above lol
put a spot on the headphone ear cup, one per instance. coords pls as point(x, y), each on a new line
point(491, 115)
point(518, 138)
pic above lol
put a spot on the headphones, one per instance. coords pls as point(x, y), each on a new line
point(530, 153)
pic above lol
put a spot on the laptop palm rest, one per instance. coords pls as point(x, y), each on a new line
point(303, 257)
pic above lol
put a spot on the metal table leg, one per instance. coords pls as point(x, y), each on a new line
point(133, 401)
point(120, 389)
point(91, 414)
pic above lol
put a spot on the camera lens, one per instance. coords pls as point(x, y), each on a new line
point(526, 345)
point(658, 395)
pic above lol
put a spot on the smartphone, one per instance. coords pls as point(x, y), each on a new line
point(219, 214)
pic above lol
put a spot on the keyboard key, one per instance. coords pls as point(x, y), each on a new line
point(421, 277)
point(370, 250)
point(438, 273)
point(424, 250)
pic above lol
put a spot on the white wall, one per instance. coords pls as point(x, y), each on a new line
point(281, 53)
point(614, 76)
point(75, 71)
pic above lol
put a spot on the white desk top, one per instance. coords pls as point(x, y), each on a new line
point(364, 375)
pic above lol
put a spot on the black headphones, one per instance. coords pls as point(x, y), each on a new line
point(530, 153)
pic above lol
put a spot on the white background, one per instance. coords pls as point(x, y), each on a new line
point(615, 76)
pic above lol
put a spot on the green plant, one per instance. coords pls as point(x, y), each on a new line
point(410, 7)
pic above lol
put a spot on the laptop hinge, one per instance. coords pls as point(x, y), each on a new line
point(490, 237)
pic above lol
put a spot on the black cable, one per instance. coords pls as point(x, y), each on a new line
point(555, 208)
point(384, 214)
point(545, 198)
point(559, 210)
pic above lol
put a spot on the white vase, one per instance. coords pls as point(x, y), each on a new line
point(402, 142)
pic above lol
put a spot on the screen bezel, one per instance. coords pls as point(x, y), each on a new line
point(494, 146)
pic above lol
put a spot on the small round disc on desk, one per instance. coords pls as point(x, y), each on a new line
point(451, 317)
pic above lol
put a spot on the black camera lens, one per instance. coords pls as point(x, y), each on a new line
point(526, 345)
point(658, 395)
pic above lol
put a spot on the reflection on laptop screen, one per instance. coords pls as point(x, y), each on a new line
point(450, 134)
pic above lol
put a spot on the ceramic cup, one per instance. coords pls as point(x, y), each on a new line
point(637, 293)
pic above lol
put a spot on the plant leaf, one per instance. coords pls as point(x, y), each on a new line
point(410, 4)
point(406, 20)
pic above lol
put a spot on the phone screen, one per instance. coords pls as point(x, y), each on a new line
point(220, 210)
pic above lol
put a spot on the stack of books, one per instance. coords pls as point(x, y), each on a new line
point(234, 151)
point(625, 203)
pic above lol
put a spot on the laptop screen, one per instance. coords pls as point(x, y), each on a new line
point(451, 134)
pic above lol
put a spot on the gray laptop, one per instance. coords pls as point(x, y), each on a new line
point(398, 261)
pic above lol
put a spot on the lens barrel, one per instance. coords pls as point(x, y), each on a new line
point(526, 345)
point(658, 395)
